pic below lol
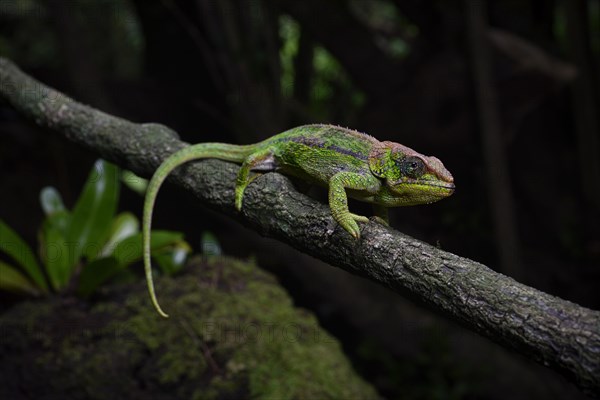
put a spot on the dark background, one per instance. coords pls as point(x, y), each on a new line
point(507, 96)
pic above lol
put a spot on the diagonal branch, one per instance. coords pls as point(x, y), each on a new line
point(555, 332)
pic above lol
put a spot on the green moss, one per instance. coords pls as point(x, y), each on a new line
point(234, 333)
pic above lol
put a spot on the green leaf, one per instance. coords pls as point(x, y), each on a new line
point(130, 250)
point(172, 259)
point(90, 220)
point(96, 273)
point(124, 225)
point(14, 281)
point(59, 221)
point(56, 254)
point(210, 245)
point(126, 253)
point(134, 182)
point(51, 201)
point(13, 245)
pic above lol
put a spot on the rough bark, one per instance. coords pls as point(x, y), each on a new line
point(555, 332)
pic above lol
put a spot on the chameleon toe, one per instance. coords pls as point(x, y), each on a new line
point(359, 218)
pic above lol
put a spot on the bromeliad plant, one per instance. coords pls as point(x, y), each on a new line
point(84, 247)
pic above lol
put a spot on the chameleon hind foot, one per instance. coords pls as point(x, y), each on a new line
point(261, 160)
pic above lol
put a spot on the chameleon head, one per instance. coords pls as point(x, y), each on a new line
point(410, 177)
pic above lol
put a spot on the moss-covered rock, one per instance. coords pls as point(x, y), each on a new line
point(233, 333)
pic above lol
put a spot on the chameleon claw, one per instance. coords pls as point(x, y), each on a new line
point(355, 234)
point(379, 220)
point(351, 226)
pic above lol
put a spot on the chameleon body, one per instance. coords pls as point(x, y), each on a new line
point(347, 162)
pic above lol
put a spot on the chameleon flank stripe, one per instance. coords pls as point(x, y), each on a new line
point(347, 162)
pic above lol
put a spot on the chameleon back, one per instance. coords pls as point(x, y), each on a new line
point(317, 152)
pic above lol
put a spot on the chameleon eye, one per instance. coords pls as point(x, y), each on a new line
point(413, 167)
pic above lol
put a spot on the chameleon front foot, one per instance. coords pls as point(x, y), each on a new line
point(338, 200)
point(349, 223)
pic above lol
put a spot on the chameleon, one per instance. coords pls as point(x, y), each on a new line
point(349, 163)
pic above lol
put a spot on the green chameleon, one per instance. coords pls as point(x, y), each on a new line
point(348, 162)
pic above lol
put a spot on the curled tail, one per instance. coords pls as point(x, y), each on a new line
point(222, 151)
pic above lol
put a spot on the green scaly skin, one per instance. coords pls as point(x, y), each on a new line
point(349, 163)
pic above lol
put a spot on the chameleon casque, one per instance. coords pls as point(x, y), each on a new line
point(347, 162)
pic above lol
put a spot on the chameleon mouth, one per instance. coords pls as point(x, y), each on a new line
point(426, 190)
point(444, 185)
point(436, 189)
point(436, 184)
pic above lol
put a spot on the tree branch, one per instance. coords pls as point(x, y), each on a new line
point(555, 332)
